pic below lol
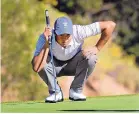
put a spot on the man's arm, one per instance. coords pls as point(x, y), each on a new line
point(39, 61)
point(107, 27)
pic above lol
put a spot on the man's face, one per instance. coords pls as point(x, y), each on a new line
point(63, 39)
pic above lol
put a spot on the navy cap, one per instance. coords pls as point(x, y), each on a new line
point(63, 25)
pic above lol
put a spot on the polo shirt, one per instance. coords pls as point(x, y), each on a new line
point(80, 32)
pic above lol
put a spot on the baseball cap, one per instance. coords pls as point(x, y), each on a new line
point(63, 25)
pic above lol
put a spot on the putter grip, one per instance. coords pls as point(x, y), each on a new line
point(48, 24)
point(47, 18)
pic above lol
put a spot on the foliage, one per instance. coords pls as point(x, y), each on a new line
point(126, 15)
point(129, 27)
point(77, 9)
point(124, 12)
point(78, 6)
point(112, 61)
point(50, 2)
point(22, 22)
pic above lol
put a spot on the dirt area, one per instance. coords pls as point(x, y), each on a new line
point(95, 87)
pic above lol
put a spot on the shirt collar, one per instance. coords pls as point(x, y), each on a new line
point(70, 44)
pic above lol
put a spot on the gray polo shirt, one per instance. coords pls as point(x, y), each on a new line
point(80, 32)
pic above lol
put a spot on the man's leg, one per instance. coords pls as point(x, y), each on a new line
point(92, 60)
point(84, 68)
point(47, 74)
point(81, 67)
point(48, 77)
point(77, 66)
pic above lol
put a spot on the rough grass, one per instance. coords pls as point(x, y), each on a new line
point(93, 104)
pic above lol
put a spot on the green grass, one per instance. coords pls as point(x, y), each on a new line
point(93, 104)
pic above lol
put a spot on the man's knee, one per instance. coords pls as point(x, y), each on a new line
point(43, 70)
point(92, 60)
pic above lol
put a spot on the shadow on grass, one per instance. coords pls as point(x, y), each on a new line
point(99, 110)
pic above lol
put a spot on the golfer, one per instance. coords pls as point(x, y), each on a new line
point(69, 57)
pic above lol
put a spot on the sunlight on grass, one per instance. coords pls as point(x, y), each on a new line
point(107, 103)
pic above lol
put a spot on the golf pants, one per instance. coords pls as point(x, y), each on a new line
point(79, 66)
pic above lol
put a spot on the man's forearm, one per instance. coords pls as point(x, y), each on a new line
point(40, 60)
point(103, 40)
point(106, 35)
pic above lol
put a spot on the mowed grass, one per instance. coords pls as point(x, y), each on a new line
point(93, 104)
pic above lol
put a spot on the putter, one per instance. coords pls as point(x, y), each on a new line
point(51, 40)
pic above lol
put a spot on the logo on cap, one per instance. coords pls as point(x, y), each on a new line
point(65, 24)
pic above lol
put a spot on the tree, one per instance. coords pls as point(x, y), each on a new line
point(124, 12)
point(20, 27)
point(126, 15)
point(22, 23)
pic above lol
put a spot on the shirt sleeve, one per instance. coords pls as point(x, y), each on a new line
point(40, 43)
point(84, 31)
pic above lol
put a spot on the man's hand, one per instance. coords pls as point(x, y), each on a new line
point(47, 32)
point(90, 51)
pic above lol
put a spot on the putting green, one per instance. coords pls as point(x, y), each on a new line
point(92, 104)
